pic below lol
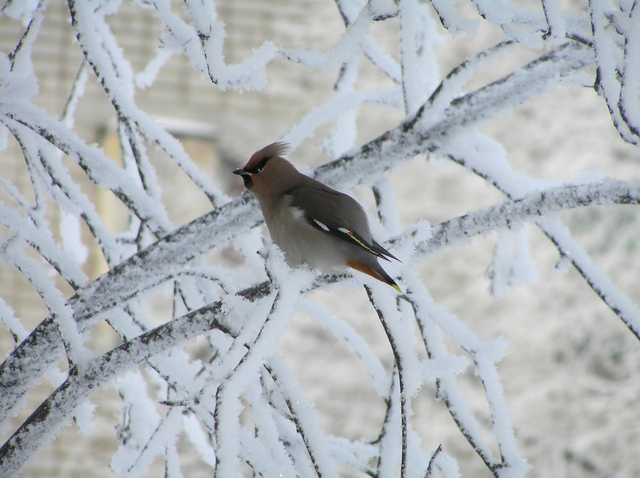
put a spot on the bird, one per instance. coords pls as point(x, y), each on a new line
point(310, 222)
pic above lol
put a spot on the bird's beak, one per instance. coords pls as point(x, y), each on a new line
point(246, 177)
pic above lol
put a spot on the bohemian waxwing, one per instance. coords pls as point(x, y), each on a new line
point(309, 221)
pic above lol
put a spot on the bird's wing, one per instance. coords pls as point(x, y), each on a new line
point(327, 210)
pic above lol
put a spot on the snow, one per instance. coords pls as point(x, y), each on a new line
point(381, 59)
point(199, 439)
point(15, 256)
point(12, 323)
point(417, 41)
point(343, 135)
point(139, 425)
point(512, 264)
point(71, 238)
point(555, 20)
point(391, 439)
point(354, 342)
point(22, 10)
point(630, 84)
point(238, 398)
point(83, 417)
point(451, 20)
point(452, 86)
point(447, 465)
point(341, 51)
point(148, 76)
point(339, 105)
point(313, 436)
point(484, 356)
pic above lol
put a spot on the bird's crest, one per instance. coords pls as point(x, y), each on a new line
point(266, 153)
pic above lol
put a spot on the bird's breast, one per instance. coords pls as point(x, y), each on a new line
point(302, 243)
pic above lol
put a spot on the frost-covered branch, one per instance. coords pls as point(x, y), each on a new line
point(156, 263)
point(53, 413)
point(511, 184)
point(116, 77)
point(239, 313)
point(101, 295)
point(455, 231)
point(533, 205)
point(421, 134)
point(616, 43)
point(90, 158)
point(400, 367)
point(444, 367)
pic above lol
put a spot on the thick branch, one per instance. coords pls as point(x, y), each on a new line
point(533, 205)
point(102, 369)
point(25, 366)
point(53, 413)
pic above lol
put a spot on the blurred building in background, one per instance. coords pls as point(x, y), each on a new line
point(218, 129)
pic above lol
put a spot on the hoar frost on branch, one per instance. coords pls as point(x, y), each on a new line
point(243, 314)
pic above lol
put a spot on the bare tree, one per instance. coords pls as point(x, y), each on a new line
point(242, 313)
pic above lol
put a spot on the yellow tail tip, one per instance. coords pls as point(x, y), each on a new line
point(396, 287)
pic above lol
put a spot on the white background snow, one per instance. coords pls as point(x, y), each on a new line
point(499, 329)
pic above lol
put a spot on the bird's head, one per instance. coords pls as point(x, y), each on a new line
point(267, 172)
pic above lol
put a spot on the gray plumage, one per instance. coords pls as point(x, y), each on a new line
point(309, 221)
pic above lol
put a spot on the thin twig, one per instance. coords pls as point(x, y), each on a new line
point(404, 412)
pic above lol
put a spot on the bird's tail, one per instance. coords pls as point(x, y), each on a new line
point(375, 270)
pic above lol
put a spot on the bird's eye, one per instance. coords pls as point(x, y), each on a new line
point(259, 167)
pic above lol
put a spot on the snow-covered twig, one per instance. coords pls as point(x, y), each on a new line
point(104, 293)
point(425, 131)
point(304, 417)
point(116, 77)
point(400, 367)
point(432, 320)
point(92, 160)
point(604, 192)
point(614, 40)
point(53, 413)
point(531, 206)
point(398, 145)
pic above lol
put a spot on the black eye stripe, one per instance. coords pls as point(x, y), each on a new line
point(258, 167)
